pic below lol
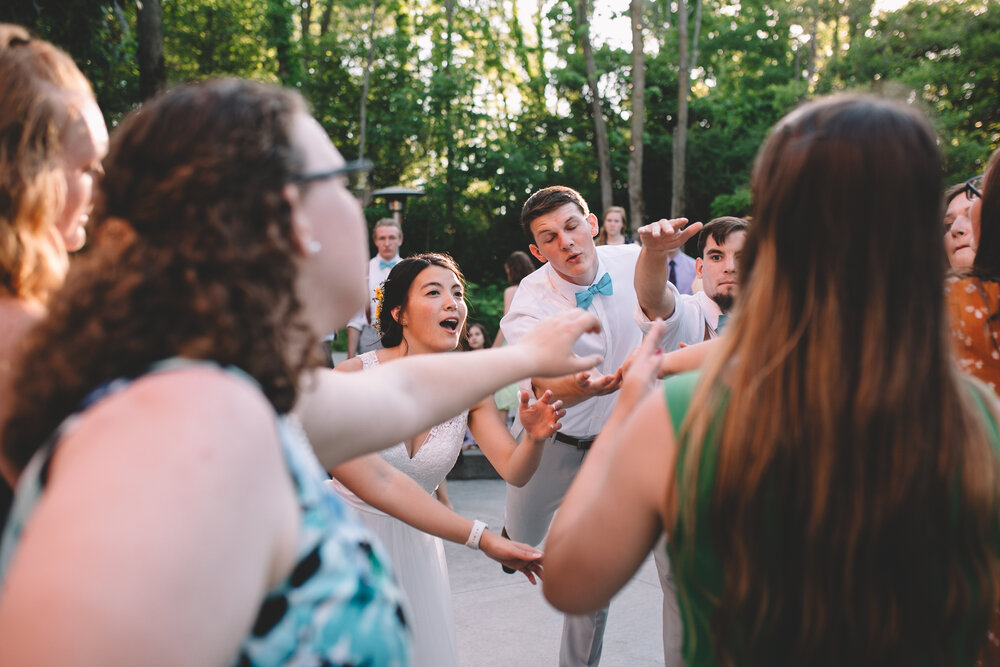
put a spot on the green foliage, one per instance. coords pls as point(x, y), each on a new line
point(486, 305)
point(99, 36)
point(206, 38)
point(945, 55)
point(737, 203)
point(487, 108)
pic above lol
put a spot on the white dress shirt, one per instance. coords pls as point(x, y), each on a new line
point(376, 276)
point(695, 319)
point(544, 293)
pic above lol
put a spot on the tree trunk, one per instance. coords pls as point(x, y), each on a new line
point(697, 35)
point(324, 20)
point(449, 156)
point(305, 17)
point(635, 197)
point(149, 31)
point(680, 130)
point(600, 128)
point(811, 65)
point(363, 132)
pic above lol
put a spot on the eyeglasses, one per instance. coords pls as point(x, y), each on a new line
point(356, 175)
point(974, 188)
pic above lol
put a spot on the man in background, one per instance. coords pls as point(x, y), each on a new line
point(361, 333)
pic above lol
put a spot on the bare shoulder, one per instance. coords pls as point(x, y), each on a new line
point(186, 414)
point(352, 365)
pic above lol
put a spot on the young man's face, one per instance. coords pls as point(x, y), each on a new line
point(387, 240)
point(717, 268)
point(565, 239)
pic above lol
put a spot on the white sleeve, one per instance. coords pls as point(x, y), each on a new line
point(686, 325)
point(521, 317)
point(358, 321)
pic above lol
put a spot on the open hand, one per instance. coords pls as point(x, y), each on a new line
point(595, 383)
point(541, 418)
point(550, 342)
point(667, 235)
point(514, 555)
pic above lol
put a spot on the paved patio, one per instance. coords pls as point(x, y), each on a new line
point(502, 620)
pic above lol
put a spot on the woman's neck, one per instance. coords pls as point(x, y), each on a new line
point(404, 349)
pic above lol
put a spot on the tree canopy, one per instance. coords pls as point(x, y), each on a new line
point(480, 102)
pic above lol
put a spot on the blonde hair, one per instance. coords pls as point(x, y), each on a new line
point(42, 90)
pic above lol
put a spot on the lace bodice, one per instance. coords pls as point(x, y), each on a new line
point(434, 458)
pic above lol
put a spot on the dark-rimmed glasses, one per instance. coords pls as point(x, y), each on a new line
point(974, 188)
point(355, 173)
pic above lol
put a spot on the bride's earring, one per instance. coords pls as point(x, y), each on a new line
point(314, 247)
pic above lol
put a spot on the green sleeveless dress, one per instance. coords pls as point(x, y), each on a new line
point(697, 567)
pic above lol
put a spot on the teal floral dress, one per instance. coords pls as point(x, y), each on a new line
point(340, 604)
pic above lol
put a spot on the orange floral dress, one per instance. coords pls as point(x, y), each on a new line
point(974, 309)
point(974, 312)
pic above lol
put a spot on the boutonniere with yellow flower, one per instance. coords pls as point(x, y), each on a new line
point(379, 298)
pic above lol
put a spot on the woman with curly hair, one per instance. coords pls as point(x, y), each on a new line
point(158, 460)
point(829, 483)
point(421, 310)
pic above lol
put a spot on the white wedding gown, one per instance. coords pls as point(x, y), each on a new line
point(418, 558)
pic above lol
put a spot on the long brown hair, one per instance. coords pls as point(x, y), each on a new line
point(855, 497)
point(987, 262)
point(602, 235)
point(194, 255)
point(41, 89)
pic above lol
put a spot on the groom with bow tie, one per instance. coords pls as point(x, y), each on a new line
point(361, 333)
point(575, 274)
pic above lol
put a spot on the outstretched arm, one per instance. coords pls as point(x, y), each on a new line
point(516, 462)
point(614, 511)
point(384, 487)
point(687, 358)
point(658, 239)
point(345, 414)
point(578, 387)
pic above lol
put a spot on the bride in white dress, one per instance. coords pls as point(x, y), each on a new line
point(422, 310)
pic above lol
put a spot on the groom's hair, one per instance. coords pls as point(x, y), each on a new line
point(546, 200)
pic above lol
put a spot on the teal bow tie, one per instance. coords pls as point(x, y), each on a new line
point(585, 297)
point(721, 323)
point(383, 265)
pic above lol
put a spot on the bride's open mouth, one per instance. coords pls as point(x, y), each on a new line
point(451, 324)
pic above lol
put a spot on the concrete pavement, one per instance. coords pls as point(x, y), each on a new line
point(503, 621)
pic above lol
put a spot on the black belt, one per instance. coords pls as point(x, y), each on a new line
point(579, 443)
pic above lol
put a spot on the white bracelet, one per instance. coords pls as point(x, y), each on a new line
point(475, 534)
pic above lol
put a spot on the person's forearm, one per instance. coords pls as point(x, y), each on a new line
point(565, 389)
point(353, 338)
point(655, 298)
point(344, 414)
point(385, 488)
point(687, 358)
point(523, 461)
